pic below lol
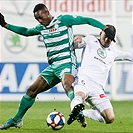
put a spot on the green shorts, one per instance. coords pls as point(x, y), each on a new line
point(53, 73)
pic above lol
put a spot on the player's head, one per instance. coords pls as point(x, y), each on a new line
point(107, 35)
point(42, 15)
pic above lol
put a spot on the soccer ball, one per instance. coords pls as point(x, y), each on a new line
point(55, 120)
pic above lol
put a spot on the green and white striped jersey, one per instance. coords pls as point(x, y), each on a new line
point(58, 36)
point(58, 39)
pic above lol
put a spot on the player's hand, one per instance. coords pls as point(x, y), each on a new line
point(2, 20)
point(78, 43)
point(78, 39)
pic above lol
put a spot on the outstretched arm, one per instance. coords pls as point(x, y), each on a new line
point(70, 20)
point(124, 56)
point(17, 29)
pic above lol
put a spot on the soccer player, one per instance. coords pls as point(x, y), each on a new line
point(97, 58)
point(58, 38)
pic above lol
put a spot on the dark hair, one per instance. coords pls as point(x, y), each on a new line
point(110, 32)
point(39, 6)
point(112, 28)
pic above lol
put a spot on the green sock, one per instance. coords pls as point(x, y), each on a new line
point(25, 104)
point(70, 94)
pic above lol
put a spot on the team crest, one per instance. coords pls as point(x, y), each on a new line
point(101, 53)
point(56, 26)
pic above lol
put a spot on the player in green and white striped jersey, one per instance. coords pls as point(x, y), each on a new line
point(58, 38)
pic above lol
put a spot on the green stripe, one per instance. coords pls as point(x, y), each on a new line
point(57, 43)
point(49, 54)
point(58, 59)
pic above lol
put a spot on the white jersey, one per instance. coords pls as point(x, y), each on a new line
point(97, 61)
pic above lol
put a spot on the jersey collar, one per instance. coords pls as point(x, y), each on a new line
point(52, 22)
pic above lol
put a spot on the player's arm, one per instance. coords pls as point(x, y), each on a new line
point(124, 56)
point(70, 20)
point(22, 30)
point(18, 29)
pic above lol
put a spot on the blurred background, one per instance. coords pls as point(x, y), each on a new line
point(23, 58)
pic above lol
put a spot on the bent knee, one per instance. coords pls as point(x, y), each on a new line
point(81, 94)
point(108, 115)
point(67, 81)
point(110, 119)
point(31, 92)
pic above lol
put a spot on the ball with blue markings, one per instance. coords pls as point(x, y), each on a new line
point(55, 120)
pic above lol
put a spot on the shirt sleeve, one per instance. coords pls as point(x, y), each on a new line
point(23, 30)
point(70, 20)
point(121, 55)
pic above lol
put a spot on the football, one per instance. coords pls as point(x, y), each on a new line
point(55, 120)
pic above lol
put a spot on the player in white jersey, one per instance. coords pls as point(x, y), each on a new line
point(97, 58)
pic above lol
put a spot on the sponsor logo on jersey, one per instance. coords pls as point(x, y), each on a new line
point(102, 95)
point(101, 53)
point(49, 31)
point(53, 30)
point(100, 60)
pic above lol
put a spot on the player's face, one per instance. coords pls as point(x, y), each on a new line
point(105, 41)
point(43, 17)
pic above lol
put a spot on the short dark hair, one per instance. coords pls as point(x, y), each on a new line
point(110, 32)
point(111, 27)
point(39, 6)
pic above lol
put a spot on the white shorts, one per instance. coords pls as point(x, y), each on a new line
point(94, 93)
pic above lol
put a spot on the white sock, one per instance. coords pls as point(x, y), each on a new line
point(94, 115)
point(76, 100)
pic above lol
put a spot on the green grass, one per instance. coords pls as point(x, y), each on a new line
point(35, 118)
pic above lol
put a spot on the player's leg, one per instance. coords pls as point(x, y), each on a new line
point(102, 109)
point(105, 111)
point(108, 115)
point(43, 83)
point(77, 106)
point(67, 81)
point(26, 102)
point(80, 94)
point(93, 114)
point(66, 73)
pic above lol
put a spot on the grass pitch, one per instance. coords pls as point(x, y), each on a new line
point(35, 118)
